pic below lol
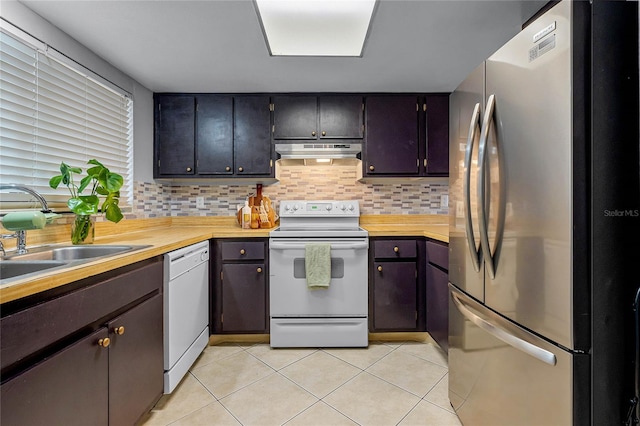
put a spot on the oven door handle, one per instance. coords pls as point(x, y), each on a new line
point(300, 246)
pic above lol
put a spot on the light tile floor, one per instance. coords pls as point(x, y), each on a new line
point(385, 384)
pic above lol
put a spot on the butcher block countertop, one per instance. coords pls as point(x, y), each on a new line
point(162, 235)
point(430, 226)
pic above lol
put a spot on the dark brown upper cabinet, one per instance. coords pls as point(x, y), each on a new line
point(436, 140)
point(174, 132)
point(407, 135)
point(211, 135)
point(298, 117)
point(295, 117)
point(251, 136)
point(392, 144)
point(218, 135)
point(340, 117)
point(214, 135)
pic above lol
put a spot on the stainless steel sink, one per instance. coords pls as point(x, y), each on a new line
point(18, 268)
point(70, 253)
point(41, 259)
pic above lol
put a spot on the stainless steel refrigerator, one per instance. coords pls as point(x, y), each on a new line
point(545, 225)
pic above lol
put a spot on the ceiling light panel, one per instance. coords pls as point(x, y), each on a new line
point(315, 27)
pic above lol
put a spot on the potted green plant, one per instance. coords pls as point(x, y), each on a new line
point(102, 183)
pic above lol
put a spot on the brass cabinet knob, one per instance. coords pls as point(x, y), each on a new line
point(372, 168)
point(240, 169)
point(227, 169)
point(104, 342)
point(313, 133)
point(380, 268)
point(396, 249)
point(188, 169)
point(259, 270)
point(324, 133)
point(242, 251)
point(119, 330)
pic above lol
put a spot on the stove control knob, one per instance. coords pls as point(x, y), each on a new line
point(287, 207)
point(296, 207)
point(329, 207)
point(341, 207)
point(350, 207)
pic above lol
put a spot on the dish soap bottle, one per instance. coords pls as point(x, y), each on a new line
point(246, 216)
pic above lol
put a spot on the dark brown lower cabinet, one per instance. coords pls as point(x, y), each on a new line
point(438, 292)
point(244, 297)
point(395, 289)
point(68, 388)
point(136, 362)
point(438, 306)
point(396, 285)
point(240, 279)
point(89, 356)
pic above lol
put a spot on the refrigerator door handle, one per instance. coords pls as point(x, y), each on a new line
point(522, 345)
point(483, 191)
point(490, 259)
point(476, 254)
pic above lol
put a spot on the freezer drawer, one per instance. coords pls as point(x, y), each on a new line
point(500, 374)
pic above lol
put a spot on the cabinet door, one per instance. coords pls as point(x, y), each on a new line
point(392, 142)
point(252, 137)
point(295, 117)
point(438, 306)
point(341, 117)
point(214, 135)
point(136, 365)
point(69, 388)
point(174, 135)
point(437, 135)
point(395, 292)
point(244, 298)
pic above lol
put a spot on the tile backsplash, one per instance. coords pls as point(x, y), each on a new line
point(155, 199)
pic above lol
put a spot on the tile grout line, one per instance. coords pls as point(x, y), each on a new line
point(408, 412)
point(399, 387)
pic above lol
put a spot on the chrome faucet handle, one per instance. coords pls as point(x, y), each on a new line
point(21, 242)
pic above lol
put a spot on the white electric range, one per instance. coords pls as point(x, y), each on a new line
point(335, 316)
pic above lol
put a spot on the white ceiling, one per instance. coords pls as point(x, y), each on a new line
point(217, 46)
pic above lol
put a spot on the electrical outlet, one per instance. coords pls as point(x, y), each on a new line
point(200, 202)
point(459, 209)
point(444, 200)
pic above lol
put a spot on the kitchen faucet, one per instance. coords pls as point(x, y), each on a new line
point(21, 235)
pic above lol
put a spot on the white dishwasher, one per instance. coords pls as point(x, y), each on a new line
point(186, 310)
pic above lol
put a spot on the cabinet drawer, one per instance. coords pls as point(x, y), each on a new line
point(243, 250)
point(394, 249)
point(438, 254)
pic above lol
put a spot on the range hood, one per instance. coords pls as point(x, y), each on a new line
point(303, 151)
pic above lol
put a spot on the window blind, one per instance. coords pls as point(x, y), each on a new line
point(51, 112)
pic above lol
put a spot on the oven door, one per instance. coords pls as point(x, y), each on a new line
point(346, 295)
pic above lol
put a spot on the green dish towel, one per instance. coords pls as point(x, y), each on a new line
point(317, 263)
